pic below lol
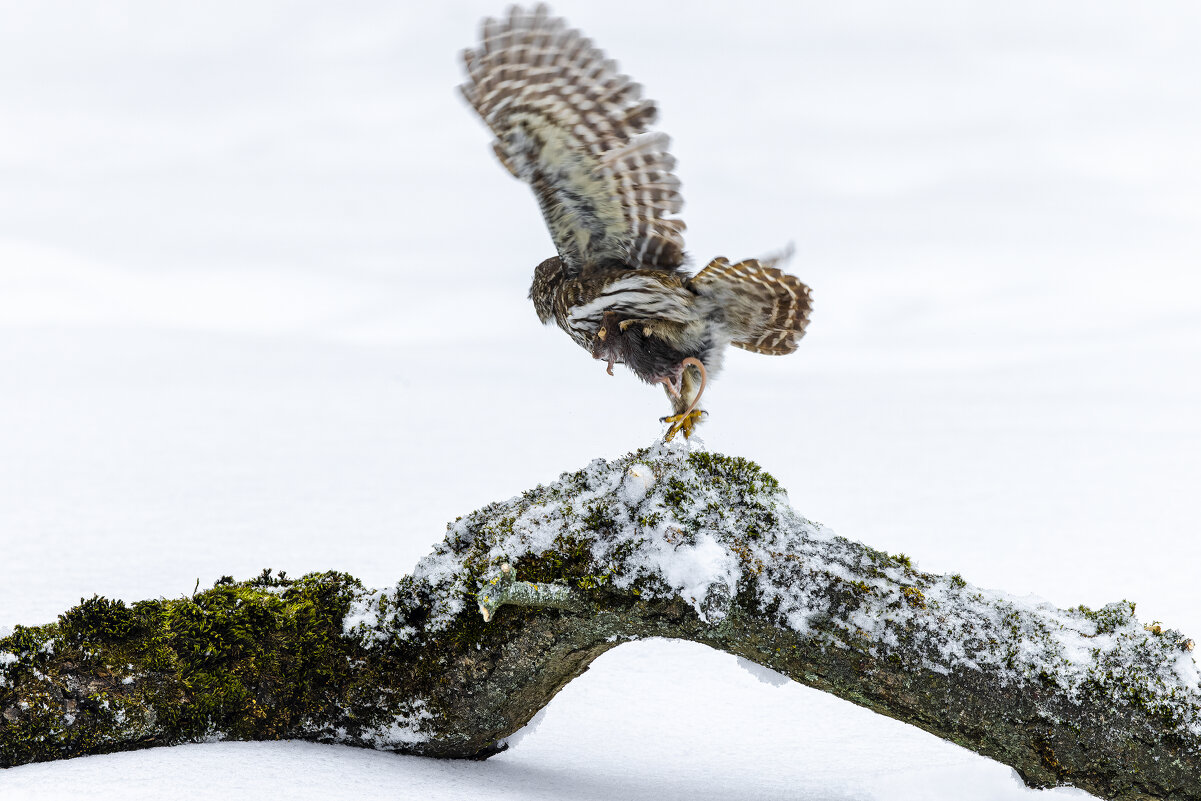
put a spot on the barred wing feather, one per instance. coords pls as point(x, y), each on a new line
point(575, 129)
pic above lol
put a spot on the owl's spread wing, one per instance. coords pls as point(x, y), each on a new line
point(575, 129)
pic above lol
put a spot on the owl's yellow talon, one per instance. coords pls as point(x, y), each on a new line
point(685, 422)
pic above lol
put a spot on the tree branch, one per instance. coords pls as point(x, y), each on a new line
point(506, 589)
point(660, 543)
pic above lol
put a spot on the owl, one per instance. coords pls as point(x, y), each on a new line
point(575, 129)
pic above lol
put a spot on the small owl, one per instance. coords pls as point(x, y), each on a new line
point(576, 130)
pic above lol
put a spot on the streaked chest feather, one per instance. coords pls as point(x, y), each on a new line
point(580, 306)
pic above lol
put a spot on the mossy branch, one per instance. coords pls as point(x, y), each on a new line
point(660, 543)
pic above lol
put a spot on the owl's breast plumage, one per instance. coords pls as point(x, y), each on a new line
point(663, 322)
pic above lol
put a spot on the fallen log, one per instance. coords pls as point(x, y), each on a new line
point(522, 595)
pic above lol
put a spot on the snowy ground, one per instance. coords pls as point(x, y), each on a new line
point(262, 303)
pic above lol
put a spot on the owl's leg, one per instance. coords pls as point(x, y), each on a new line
point(685, 399)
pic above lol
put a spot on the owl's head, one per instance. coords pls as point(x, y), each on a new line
point(547, 276)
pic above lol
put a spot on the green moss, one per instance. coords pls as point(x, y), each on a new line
point(531, 496)
point(576, 482)
point(252, 661)
point(650, 521)
point(1110, 617)
point(570, 560)
point(879, 561)
point(742, 473)
point(249, 659)
point(676, 495)
point(28, 640)
point(914, 597)
point(98, 620)
point(597, 519)
point(266, 579)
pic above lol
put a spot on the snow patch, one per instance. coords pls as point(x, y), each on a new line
point(1186, 669)
point(370, 619)
point(363, 613)
point(525, 731)
point(638, 479)
point(6, 658)
point(763, 674)
point(695, 570)
point(406, 730)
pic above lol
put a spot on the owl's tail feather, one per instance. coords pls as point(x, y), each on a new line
point(765, 310)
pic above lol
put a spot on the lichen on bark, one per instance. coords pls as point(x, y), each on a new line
point(663, 542)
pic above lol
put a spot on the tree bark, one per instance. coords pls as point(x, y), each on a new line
point(521, 596)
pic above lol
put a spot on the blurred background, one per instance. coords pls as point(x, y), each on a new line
point(263, 293)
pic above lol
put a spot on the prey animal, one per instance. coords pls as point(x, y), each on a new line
point(575, 129)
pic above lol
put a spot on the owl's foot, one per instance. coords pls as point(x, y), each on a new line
point(685, 422)
point(647, 328)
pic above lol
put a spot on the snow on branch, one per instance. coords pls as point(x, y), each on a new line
point(522, 595)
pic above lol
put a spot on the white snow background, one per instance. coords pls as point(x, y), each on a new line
point(263, 304)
